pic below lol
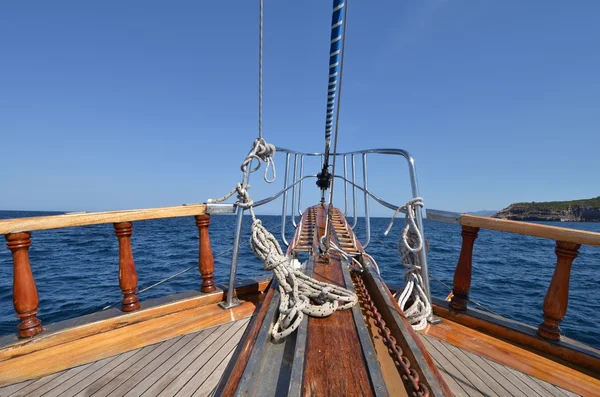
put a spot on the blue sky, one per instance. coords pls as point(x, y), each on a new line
point(115, 105)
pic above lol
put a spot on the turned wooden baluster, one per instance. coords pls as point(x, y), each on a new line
point(206, 262)
point(127, 273)
point(464, 267)
point(557, 297)
point(25, 296)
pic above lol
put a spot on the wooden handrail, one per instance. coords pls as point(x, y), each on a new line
point(568, 242)
point(96, 218)
point(532, 229)
point(18, 237)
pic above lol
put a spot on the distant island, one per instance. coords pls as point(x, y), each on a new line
point(586, 210)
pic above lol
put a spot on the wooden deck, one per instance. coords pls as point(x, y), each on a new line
point(189, 365)
point(192, 365)
point(470, 375)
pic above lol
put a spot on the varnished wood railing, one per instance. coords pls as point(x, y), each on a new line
point(568, 242)
point(18, 237)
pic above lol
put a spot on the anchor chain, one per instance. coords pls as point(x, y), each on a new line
point(409, 375)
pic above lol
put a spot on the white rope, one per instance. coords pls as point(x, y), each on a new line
point(299, 293)
point(261, 151)
point(351, 260)
point(412, 299)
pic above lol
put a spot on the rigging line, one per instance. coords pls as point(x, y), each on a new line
point(260, 68)
point(337, 119)
point(444, 284)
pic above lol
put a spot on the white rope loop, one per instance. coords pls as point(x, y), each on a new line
point(409, 245)
point(261, 151)
point(411, 214)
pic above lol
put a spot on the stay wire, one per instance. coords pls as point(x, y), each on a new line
point(260, 69)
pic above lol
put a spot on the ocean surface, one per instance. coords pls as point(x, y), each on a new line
point(76, 269)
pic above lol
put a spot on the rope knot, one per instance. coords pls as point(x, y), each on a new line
point(261, 151)
point(243, 197)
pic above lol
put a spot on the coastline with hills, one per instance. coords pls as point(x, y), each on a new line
point(585, 210)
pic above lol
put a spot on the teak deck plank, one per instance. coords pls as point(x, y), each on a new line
point(186, 365)
point(8, 390)
point(476, 377)
point(181, 381)
point(212, 359)
point(65, 376)
point(129, 378)
point(92, 377)
point(198, 384)
point(32, 386)
point(152, 387)
point(75, 377)
point(454, 385)
point(480, 372)
point(505, 354)
point(113, 342)
point(452, 369)
point(114, 374)
point(333, 340)
point(211, 382)
point(504, 381)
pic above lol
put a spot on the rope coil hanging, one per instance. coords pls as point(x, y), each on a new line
point(412, 299)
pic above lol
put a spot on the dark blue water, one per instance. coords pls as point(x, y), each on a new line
point(76, 269)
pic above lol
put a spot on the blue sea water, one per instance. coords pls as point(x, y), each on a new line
point(76, 269)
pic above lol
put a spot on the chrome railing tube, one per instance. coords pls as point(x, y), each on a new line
point(345, 187)
point(232, 300)
point(284, 206)
point(300, 210)
point(293, 214)
point(367, 217)
point(414, 184)
point(354, 218)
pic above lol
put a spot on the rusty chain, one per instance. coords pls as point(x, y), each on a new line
point(409, 375)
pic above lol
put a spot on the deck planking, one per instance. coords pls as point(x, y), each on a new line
point(333, 344)
point(470, 375)
point(187, 365)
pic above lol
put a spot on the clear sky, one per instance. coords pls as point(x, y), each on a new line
point(129, 104)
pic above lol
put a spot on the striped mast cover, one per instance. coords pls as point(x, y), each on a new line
point(337, 20)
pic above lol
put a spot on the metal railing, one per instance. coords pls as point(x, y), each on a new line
point(295, 185)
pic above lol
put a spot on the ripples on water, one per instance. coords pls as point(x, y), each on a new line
point(76, 269)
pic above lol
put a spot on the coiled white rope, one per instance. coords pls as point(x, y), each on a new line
point(299, 293)
point(412, 299)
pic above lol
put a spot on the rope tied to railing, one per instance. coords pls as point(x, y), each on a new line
point(263, 152)
point(412, 298)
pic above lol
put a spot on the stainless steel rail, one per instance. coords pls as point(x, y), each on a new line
point(296, 187)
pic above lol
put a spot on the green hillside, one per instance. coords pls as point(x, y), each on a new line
point(558, 205)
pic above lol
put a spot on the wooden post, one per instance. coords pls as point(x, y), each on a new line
point(127, 273)
point(557, 297)
point(464, 267)
point(206, 262)
point(25, 296)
